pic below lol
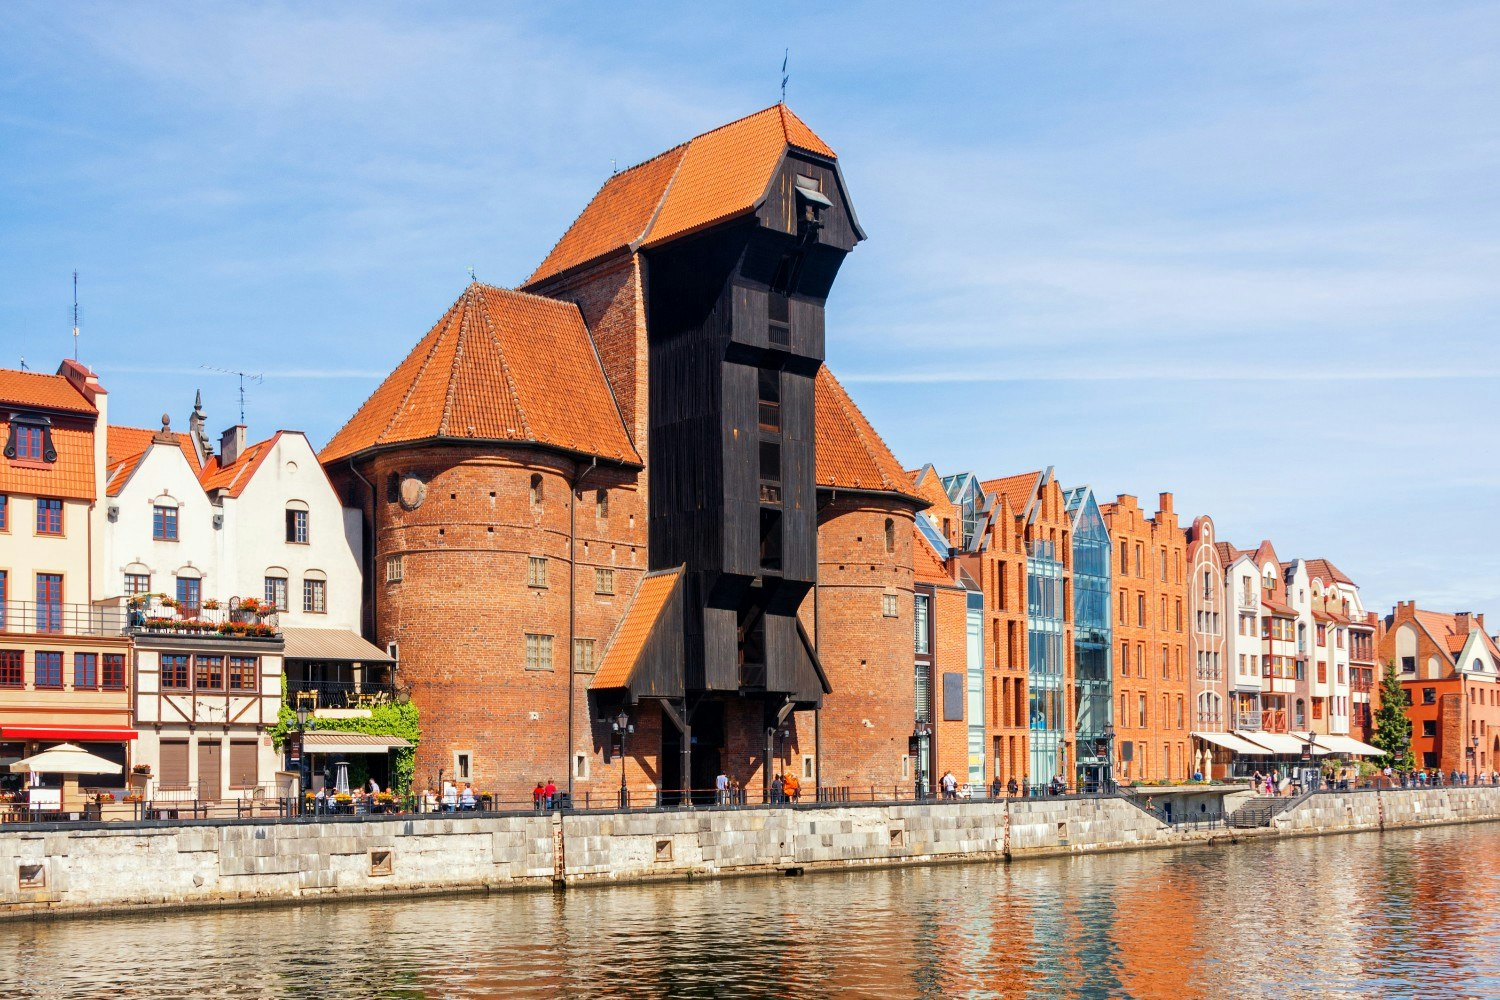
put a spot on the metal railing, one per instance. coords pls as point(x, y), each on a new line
point(157, 618)
point(340, 694)
point(56, 618)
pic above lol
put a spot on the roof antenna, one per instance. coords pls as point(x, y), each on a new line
point(252, 376)
point(785, 76)
point(613, 168)
point(23, 364)
point(75, 314)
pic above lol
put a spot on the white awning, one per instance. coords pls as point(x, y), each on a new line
point(1348, 745)
point(1282, 744)
point(332, 742)
point(1231, 742)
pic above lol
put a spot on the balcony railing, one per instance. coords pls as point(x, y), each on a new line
point(1214, 719)
point(1249, 721)
point(1210, 674)
point(339, 694)
point(62, 619)
point(1246, 602)
point(156, 618)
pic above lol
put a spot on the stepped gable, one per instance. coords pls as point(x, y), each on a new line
point(500, 365)
point(716, 176)
point(850, 454)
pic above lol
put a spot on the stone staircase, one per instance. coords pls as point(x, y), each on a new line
point(1262, 809)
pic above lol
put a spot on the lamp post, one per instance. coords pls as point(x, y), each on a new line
point(923, 734)
point(301, 752)
point(1473, 749)
point(623, 728)
point(1107, 772)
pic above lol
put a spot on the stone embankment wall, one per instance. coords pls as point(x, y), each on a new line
point(1389, 810)
point(103, 867)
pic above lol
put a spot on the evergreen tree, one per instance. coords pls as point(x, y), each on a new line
point(1392, 724)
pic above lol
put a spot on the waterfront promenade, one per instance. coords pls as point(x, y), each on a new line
point(81, 869)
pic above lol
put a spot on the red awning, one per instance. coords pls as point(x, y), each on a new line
point(76, 734)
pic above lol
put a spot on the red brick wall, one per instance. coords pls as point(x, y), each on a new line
point(463, 607)
point(1001, 574)
point(868, 719)
point(1162, 746)
point(951, 655)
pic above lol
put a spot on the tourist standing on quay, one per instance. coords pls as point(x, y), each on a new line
point(721, 788)
point(949, 784)
point(550, 794)
point(792, 786)
point(1011, 787)
point(536, 796)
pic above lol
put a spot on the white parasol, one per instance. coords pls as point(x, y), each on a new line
point(65, 758)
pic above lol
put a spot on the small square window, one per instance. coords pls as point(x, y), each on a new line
point(463, 765)
point(601, 504)
point(604, 581)
point(536, 571)
point(394, 568)
point(164, 523)
point(538, 652)
point(49, 516)
point(889, 606)
point(297, 527)
point(583, 656)
point(315, 596)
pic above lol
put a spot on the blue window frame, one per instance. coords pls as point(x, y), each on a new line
point(48, 669)
point(164, 524)
point(49, 516)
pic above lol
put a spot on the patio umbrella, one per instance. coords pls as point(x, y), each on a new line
point(65, 758)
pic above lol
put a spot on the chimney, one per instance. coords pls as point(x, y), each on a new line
point(1461, 622)
point(1479, 619)
point(1164, 503)
point(231, 443)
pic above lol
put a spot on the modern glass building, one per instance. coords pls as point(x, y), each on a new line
point(1046, 660)
point(1092, 677)
point(968, 496)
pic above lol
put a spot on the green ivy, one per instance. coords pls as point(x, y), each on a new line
point(403, 721)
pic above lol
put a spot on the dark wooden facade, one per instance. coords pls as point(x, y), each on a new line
point(735, 334)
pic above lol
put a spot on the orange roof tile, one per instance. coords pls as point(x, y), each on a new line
point(1437, 623)
point(1016, 490)
point(45, 392)
point(850, 454)
point(125, 448)
point(71, 477)
point(500, 365)
point(1322, 568)
point(235, 476)
point(925, 562)
point(634, 629)
point(715, 176)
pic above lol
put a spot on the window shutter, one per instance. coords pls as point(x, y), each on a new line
point(174, 764)
point(243, 764)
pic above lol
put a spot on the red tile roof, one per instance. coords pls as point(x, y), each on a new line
point(928, 568)
point(235, 476)
point(500, 365)
point(71, 477)
point(850, 454)
point(45, 392)
point(1327, 571)
point(715, 176)
point(1016, 490)
point(127, 446)
point(634, 629)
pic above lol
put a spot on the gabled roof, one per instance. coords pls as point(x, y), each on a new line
point(926, 565)
point(713, 177)
point(1017, 491)
point(125, 448)
point(850, 454)
point(1229, 553)
point(44, 392)
point(1327, 571)
point(500, 365)
point(651, 598)
point(235, 476)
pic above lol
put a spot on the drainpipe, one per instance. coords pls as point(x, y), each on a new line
point(578, 478)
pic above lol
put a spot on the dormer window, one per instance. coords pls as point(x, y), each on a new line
point(30, 440)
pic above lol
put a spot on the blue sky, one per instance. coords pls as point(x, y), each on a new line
point(1246, 252)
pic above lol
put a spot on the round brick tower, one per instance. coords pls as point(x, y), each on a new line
point(504, 536)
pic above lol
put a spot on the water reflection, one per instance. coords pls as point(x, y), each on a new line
point(1404, 914)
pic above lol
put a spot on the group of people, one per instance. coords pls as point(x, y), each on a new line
point(362, 799)
point(451, 799)
point(949, 787)
point(1435, 778)
point(785, 788)
point(544, 797)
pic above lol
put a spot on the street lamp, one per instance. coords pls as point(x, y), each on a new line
point(924, 735)
point(623, 728)
point(302, 782)
point(1473, 758)
point(1108, 770)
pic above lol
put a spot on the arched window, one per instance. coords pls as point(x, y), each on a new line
point(164, 519)
point(315, 592)
point(189, 587)
point(890, 535)
point(276, 596)
point(536, 489)
point(298, 523)
point(1301, 714)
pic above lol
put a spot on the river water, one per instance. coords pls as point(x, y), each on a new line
point(1408, 914)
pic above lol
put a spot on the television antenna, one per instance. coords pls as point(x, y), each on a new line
point(75, 314)
point(252, 376)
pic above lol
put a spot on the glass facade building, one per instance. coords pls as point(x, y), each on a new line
point(1092, 677)
point(975, 688)
point(1046, 660)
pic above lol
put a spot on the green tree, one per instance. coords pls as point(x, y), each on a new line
point(1392, 724)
